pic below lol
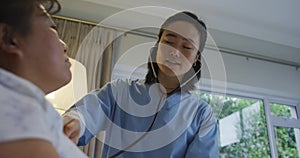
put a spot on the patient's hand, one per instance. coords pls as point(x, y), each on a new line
point(71, 128)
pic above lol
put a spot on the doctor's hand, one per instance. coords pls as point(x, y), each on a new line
point(71, 128)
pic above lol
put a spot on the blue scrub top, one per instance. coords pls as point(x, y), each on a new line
point(183, 125)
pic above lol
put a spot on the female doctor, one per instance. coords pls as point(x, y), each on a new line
point(158, 116)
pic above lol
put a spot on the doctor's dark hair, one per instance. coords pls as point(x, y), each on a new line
point(200, 26)
point(18, 13)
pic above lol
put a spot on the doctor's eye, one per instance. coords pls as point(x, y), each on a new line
point(186, 47)
point(168, 42)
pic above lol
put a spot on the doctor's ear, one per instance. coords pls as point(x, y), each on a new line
point(197, 58)
point(8, 40)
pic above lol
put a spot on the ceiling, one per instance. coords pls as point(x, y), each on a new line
point(264, 27)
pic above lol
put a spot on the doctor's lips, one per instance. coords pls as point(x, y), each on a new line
point(170, 62)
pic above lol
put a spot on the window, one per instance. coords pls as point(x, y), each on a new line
point(284, 111)
point(286, 142)
point(283, 128)
point(242, 126)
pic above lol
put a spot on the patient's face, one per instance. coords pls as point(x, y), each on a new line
point(45, 54)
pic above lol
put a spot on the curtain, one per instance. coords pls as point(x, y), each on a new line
point(94, 47)
point(96, 53)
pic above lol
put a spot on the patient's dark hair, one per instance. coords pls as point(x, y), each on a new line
point(18, 13)
point(200, 26)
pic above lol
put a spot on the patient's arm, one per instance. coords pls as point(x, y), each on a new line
point(27, 148)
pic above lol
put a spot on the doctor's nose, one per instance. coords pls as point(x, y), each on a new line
point(174, 53)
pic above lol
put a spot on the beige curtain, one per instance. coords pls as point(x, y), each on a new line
point(96, 52)
point(94, 47)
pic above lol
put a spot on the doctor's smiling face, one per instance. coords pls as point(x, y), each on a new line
point(178, 48)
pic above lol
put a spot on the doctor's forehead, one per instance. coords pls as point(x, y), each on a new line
point(184, 29)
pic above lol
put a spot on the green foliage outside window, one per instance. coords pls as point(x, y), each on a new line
point(254, 141)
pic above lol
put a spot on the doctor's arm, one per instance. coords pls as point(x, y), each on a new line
point(88, 116)
point(205, 143)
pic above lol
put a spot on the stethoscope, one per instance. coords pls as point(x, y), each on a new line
point(156, 112)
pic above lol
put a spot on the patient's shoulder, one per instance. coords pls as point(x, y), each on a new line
point(28, 148)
